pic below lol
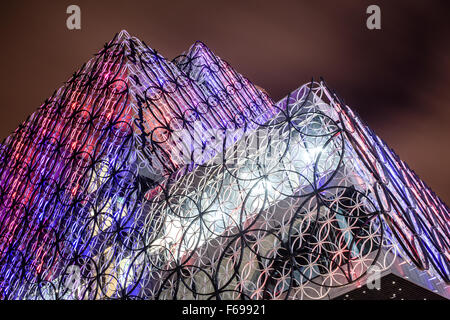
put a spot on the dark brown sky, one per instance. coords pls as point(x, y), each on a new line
point(397, 78)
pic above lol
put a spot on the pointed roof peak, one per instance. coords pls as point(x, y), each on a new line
point(123, 35)
point(199, 43)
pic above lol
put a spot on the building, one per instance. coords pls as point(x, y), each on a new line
point(154, 179)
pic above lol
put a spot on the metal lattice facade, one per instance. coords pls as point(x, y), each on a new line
point(154, 179)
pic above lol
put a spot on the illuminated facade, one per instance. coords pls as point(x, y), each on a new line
point(153, 179)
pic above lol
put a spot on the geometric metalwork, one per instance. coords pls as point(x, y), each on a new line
point(143, 178)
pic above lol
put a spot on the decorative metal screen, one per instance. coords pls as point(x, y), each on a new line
point(153, 179)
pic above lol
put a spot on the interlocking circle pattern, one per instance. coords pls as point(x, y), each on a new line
point(143, 178)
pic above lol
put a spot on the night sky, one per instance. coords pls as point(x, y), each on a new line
point(396, 78)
